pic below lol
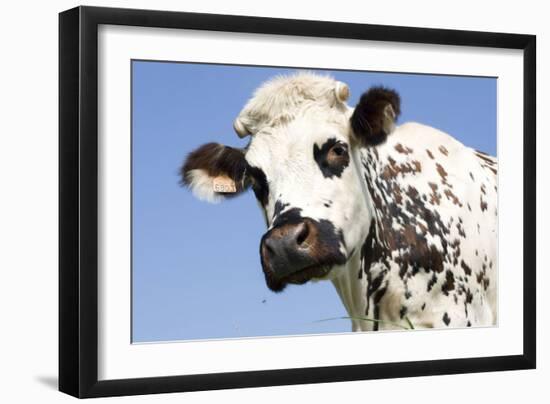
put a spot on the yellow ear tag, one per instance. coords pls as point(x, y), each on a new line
point(224, 185)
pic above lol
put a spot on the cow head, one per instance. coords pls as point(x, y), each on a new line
point(303, 164)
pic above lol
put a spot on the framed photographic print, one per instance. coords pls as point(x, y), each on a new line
point(251, 201)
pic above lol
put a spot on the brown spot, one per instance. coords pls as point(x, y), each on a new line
point(455, 245)
point(485, 157)
point(482, 204)
point(412, 192)
point(449, 283)
point(403, 149)
point(472, 176)
point(479, 277)
point(486, 161)
point(469, 297)
point(435, 197)
point(396, 193)
point(483, 189)
point(469, 207)
point(460, 230)
point(393, 169)
point(410, 235)
point(466, 268)
point(431, 282)
point(419, 255)
point(442, 173)
point(430, 154)
point(390, 170)
point(482, 279)
point(443, 150)
point(446, 319)
point(452, 197)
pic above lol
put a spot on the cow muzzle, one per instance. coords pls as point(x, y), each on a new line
point(297, 252)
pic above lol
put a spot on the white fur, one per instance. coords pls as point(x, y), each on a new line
point(278, 101)
point(202, 186)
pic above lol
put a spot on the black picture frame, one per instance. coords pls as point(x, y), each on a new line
point(78, 200)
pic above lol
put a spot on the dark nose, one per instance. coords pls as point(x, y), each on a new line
point(288, 248)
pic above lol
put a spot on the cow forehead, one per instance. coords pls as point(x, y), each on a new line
point(281, 99)
point(291, 145)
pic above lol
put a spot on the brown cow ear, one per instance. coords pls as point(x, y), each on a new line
point(214, 172)
point(374, 116)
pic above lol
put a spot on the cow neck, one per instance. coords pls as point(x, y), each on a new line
point(361, 286)
point(372, 168)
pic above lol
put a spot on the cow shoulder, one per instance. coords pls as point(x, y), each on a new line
point(433, 216)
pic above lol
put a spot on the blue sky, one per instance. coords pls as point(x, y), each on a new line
point(196, 269)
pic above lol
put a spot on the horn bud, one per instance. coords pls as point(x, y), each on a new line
point(239, 127)
point(342, 91)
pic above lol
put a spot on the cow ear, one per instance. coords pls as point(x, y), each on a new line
point(214, 172)
point(374, 116)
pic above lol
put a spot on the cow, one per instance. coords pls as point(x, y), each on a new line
point(401, 218)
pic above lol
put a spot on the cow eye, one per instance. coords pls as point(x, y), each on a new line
point(332, 157)
point(339, 150)
point(337, 154)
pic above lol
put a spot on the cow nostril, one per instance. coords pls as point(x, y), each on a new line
point(303, 234)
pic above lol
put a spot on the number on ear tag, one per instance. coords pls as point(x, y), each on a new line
point(224, 185)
